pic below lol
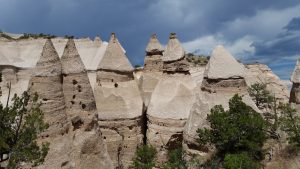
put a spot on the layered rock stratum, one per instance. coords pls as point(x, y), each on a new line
point(100, 109)
point(119, 105)
point(170, 102)
point(216, 88)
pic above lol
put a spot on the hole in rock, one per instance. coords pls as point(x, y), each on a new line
point(116, 84)
point(83, 106)
point(74, 96)
point(77, 122)
point(74, 82)
point(72, 102)
point(64, 163)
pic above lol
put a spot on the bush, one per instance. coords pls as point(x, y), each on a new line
point(240, 129)
point(290, 123)
point(176, 160)
point(144, 157)
point(240, 161)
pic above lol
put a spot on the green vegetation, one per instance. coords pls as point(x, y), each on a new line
point(137, 66)
point(36, 36)
point(175, 160)
point(290, 123)
point(239, 161)
point(19, 129)
point(144, 157)
point(260, 94)
point(3, 35)
point(240, 130)
point(197, 59)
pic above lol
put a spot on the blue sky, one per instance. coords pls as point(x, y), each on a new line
point(266, 31)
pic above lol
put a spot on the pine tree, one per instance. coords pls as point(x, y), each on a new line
point(238, 130)
point(19, 129)
point(144, 157)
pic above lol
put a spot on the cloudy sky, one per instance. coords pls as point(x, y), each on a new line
point(266, 31)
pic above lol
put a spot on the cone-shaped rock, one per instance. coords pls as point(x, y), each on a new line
point(70, 60)
point(222, 65)
point(295, 91)
point(214, 92)
point(154, 45)
point(174, 51)
point(76, 86)
point(98, 40)
point(170, 101)
point(152, 71)
point(174, 57)
point(119, 105)
point(114, 57)
point(296, 73)
point(46, 81)
point(49, 63)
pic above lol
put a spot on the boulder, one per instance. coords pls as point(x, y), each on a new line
point(119, 105)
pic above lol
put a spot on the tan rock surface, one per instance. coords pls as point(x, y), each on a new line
point(119, 105)
point(220, 61)
point(170, 102)
point(260, 73)
point(174, 51)
point(114, 57)
point(46, 81)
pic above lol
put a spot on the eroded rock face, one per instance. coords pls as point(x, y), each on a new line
point(88, 148)
point(46, 81)
point(119, 105)
point(295, 91)
point(170, 103)
point(152, 71)
point(214, 90)
point(154, 51)
point(260, 73)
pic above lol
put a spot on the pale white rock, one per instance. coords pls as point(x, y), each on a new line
point(222, 65)
point(121, 102)
point(49, 63)
point(71, 61)
point(296, 73)
point(114, 57)
point(173, 97)
point(260, 73)
point(174, 50)
point(154, 45)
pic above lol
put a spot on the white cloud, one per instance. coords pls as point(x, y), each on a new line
point(205, 44)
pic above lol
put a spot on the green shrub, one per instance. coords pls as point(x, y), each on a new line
point(175, 160)
point(240, 161)
point(144, 157)
point(239, 129)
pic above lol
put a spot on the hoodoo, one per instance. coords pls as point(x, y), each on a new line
point(81, 110)
point(152, 71)
point(46, 81)
point(119, 104)
point(295, 91)
point(220, 83)
point(170, 102)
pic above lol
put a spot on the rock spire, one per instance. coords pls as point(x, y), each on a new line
point(114, 57)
